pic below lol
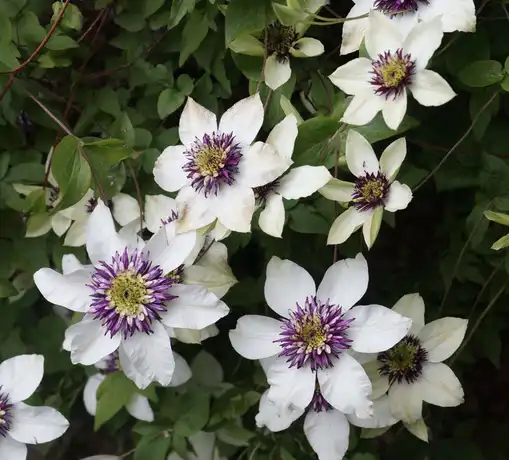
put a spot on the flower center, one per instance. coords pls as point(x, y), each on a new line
point(129, 293)
point(280, 40)
point(262, 193)
point(370, 191)
point(213, 161)
point(404, 361)
point(392, 73)
point(314, 334)
point(5, 414)
point(394, 7)
point(111, 364)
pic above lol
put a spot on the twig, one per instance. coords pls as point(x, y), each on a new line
point(267, 99)
point(96, 20)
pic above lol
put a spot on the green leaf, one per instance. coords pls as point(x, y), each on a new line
point(26, 173)
point(107, 101)
point(185, 84)
point(497, 217)
point(29, 29)
point(108, 151)
point(244, 17)
point(151, 6)
point(311, 133)
point(179, 8)
point(7, 289)
point(288, 16)
point(501, 243)
point(72, 18)
point(481, 73)
point(193, 34)
point(130, 21)
point(115, 392)
point(61, 42)
point(377, 130)
point(195, 409)
point(123, 129)
point(153, 448)
point(169, 100)
point(306, 219)
point(71, 172)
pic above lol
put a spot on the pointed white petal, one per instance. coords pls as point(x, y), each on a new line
point(90, 393)
point(406, 401)
point(456, 15)
point(77, 234)
point(399, 197)
point(244, 119)
point(379, 382)
point(277, 72)
point(394, 110)
point(182, 372)
point(13, 450)
point(157, 209)
point(303, 181)
point(272, 217)
point(411, 306)
point(70, 263)
point(286, 285)
point(60, 224)
point(307, 47)
point(382, 415)
point(168, 172)
point(442, 337)
point(440, 386)
point(125, 208)
point(20, 376)
point(392, 158)
point(235, 207)
point(360, 157)
point(275, 419)
point(195, 121)
point(195, 210)
point(337, 190)
point(423, 41)
point(283, 135)
point(345, 224)
point(353, 77)
point(328, 433)
point(140, 409)
point(382, 35)
point(363, 108)
point(354, 31)
point(255, 336)
point(430, 89)
point(418, 429)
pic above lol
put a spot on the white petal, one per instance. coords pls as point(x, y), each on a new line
point(244, 119)
point(354, 31)
point(131, 372)
point(423, 41)
point(90, 393)
point(307, 47)
point(382, 415)
point(430, 89)
point(354, 76)
point(411, 306)
point(140, 409)
point(158, 208)
point(375, 328)
point(442, 337)
point(382, 35)
point(151, 354)
point(439, 386)
point(194, 308)
point(392, 158)
point(328, 434)
point(69, 291)
point(261, 164)
point(418, 429)
point(13, 450)
point(394, 110)
point(182, 372)
point(456, 15)
point(70, 263)
point(399, 197)
point(371, 226)
point(406, 401)
point(360, 157)
point(363, 108)
point(168, 172)
point(125, 208)
point(193, 336)
point(277, 72)
point(235, 207)
point(346, 386)
point(289, 386)
point(283, 135)
point(275, 419)
point(60, 224)
point(380, 383)
point(36, 425)
point(337, 190)
point(89, 342)
point(303, 181)
point(20, 376)
point(102, 239)
point(195, 210)
point(345, 224)
point(77, 234)
point(286, 285)
point(272, 217)
point(255, 336)
point(195, 121)
point(344, 283)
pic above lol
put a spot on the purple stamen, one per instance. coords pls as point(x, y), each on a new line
point(370, 191)
point(394, 7)
point(5, 414)
point(392, 73)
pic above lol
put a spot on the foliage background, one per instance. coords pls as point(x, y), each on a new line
point(122, 70)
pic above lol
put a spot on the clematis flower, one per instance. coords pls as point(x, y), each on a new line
point(311, 341)
point(204, 448)
point(128, 296)
point(298, 182)
point(395, 65)
point(283, 42)
point(20, 423)
point(139, 406)
point(373, 191)
point(456, 15)
point(216, 168)
point(413, 372)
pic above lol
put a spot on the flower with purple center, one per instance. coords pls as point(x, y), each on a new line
point(21, 423)
point(373, 191)
point(396, 65)
point(308, 345)
point(455, 15)
point(314, 334)
point(217, 166)
point(127, 298)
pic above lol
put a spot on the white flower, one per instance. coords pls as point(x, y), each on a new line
point(309, 345)
point(373, 191)
point(413, 370)
point(396, 65)
point(139, 406)
point(217, 168)
point(20, 423)
point(204, 447)
point(128, 296)
point(298, 183)
point(454, 14)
